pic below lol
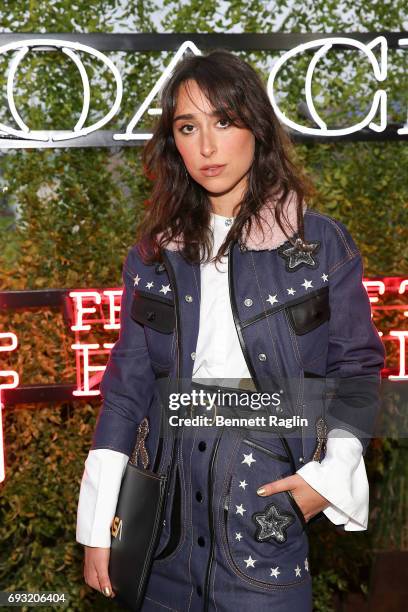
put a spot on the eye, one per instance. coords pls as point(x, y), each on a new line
point(225, 121)
point(189, 125)
point(186, 125)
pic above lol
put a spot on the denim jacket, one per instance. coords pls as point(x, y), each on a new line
point(304, 323)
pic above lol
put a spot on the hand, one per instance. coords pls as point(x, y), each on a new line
point(96, 569)
point(308, 499)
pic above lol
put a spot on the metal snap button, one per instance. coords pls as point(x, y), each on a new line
point(160, 268)
point(188, 298)
point(248, 302)
point(193, 356)
point(262, 357)
point(301, 460)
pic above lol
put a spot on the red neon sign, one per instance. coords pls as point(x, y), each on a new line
point(6, 374)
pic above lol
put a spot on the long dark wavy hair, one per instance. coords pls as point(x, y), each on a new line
point(179, 207)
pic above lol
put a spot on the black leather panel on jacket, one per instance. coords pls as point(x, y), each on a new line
point(310, 312)
point(153, 311)
point(175, 521)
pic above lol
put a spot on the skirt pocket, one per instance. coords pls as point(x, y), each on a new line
point(265, 538)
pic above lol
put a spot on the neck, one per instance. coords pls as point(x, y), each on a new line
point(223, 204)
point(224, 210)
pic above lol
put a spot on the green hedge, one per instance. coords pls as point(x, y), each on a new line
point(69, 216)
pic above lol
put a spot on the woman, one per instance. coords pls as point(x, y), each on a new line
point(236, 285)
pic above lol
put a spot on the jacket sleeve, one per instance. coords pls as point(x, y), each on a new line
point(356, 353)
point(98, 496)
point(128, 382)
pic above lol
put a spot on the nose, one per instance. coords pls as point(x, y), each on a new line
point(207, 143)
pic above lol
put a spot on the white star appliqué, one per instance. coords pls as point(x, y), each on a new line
point(275, 571)
point(248, 459)
point(297, 570)
point(324, 277)
point(291, 291)
point(149, 285)
point(250, 562)
point(272, 299)
point(243, 484)
point(165, 289)
point(238, 536)
point(306, 565)
point(240, 509)
point(307, 284)
point(136, 280)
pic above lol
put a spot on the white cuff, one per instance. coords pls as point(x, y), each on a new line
point(342, 479)
point(101, 480)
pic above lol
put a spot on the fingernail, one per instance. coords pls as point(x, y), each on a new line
point(261, 491)
point(106, 591)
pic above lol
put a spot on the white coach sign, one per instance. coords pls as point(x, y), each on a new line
point(71, 49)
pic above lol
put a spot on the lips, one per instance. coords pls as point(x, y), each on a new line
point(212, 170)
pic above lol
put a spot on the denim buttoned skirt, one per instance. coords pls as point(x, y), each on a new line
point(224, 548)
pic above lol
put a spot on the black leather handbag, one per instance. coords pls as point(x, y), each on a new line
point(136, 526)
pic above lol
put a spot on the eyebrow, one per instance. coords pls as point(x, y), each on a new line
point(192, 115)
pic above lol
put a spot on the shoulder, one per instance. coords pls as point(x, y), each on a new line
point(336, 240)
point(330, 230)
point(134, 262)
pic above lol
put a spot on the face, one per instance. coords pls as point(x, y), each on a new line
point(204, 140)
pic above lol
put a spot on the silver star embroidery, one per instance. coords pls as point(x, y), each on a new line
point(248, 459)
point(297, 570)
point(165, 289)
point(149, 285)
point(324, 277)
point(136, 280)
point(300, 253)
point(238, 536)
point(240, 509)
point(272, 299)
point(307, 284)
point(275, 571)
point(250, 562)
point(306, 565)
point(272, 523)
point(291, 291)
point(243, 484)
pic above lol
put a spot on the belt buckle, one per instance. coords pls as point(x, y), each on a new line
point(194, 413)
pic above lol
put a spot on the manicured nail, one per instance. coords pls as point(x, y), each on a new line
point(106, 591)
point(261, 491)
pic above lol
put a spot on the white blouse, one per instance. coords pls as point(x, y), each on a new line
point(341, 476)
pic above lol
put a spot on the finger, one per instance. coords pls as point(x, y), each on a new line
point(277, 486)
point(105, 585)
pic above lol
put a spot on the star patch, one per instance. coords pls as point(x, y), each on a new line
point(301, 254)
point(272, 524)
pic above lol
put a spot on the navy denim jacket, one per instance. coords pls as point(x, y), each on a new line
point(303, 319)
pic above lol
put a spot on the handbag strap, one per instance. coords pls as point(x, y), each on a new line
point(140, 447)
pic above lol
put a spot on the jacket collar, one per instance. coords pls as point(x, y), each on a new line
point(272, 236)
